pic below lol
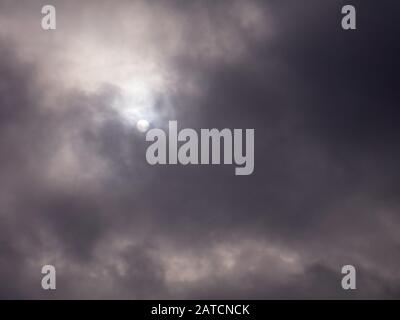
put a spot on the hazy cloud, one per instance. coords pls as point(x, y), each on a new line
point(76, 190)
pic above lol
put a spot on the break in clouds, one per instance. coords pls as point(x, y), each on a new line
point(77, 192)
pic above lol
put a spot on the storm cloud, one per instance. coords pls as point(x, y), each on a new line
point(76, 191)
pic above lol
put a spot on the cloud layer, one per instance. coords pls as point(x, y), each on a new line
point(76, 191)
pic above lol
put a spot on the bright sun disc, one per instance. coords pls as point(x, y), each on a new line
point(142, 125)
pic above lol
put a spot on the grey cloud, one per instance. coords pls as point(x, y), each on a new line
point(76, 191)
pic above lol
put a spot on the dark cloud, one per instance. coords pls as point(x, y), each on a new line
point(76, 191)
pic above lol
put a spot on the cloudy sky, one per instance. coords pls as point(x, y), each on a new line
point(76, 190)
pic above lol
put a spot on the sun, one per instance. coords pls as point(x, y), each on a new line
point(142, 125)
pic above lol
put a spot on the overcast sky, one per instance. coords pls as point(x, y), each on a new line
point(76, 190)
